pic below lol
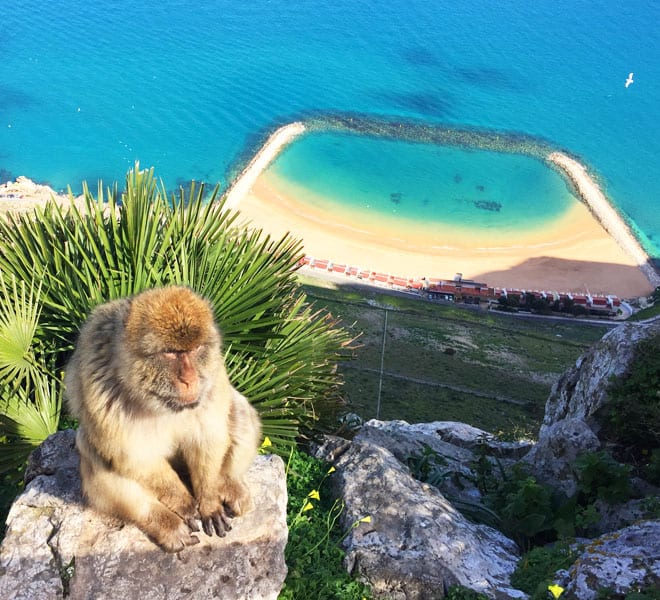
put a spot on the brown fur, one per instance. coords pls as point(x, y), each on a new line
point(164, 438)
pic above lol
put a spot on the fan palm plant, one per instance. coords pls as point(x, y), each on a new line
point(280, 352)
point(30, 397)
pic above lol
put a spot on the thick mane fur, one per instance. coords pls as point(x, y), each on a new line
point(171, 316)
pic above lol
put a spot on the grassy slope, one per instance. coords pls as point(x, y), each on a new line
point(442, 362)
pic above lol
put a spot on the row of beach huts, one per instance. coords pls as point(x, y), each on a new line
point(465, 290)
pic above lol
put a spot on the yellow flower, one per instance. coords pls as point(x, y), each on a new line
point(556, 590)
point(314, 495)
point(331, 470)
point(307, 507)
point(366, 519)
point(266, 443)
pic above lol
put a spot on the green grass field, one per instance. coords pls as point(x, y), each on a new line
point(444, 362)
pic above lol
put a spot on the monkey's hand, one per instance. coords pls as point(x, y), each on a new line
point(232, 500)
point(216, 521)
point(236, 497)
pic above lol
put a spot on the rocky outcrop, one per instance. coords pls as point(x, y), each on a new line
point(570, 425)
point(55, 547)
point(24, 195)
point(415, 543)
point(623, 561)
point(455, 447)
point(582, 390)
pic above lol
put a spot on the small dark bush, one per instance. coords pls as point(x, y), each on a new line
point(631, 417)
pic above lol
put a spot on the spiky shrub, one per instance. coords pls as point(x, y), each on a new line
point(29, 396)
point(280, 352)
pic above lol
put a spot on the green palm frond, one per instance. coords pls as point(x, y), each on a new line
point(280, 352)
point(29, 395)
point(19, 319)
point(26, 421)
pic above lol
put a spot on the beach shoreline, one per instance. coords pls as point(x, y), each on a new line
point(275, 143)
point(590, 249)
point(605, 213)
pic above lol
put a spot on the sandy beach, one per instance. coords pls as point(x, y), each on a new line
point(603, 211)
point(589, 248)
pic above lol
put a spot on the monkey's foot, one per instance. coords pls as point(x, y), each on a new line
point(176, 538)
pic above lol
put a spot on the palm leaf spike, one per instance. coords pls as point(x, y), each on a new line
point(19, 318)
point(26, 421)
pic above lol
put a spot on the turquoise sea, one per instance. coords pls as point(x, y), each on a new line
point(192, 88)
point(422, 182)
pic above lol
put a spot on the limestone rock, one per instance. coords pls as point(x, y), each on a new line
point(570, 425)
point(416, 544)
point(456, 444)
point(56, 547)
point(582, 390)
point(445, 437)
point(552, 459)
point(623, 561)
point(404, 439)
point(24, 195)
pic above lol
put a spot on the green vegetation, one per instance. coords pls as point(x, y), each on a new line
point(632, 413)
point(527, 511)
point(541, 520)
point(445, 362)
point(313, 553)
point(651, 593)
point(533, 513)
point(458, 592)
point(650, 311)
point(57, 263)
point(537, 567)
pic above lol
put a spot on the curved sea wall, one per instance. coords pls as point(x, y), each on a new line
point(573, 171)
point(605, 213)
point(273, 146)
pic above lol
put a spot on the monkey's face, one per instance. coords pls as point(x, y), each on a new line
point(181, 379)
point(174, 348)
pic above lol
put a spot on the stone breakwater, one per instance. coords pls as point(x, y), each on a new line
point(607, 216)
point(575, 172)
point(273, 146)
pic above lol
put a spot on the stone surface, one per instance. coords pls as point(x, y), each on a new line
point(416, 543)
point(582, 390)
point(570, 424)
point(54, 546)
point(552, 460)
point(445, 437)
point(458, 446)
point(623, 561)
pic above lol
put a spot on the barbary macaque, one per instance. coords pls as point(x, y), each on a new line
point(164, 438)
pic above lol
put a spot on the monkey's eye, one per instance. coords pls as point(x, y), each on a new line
point(171, 354)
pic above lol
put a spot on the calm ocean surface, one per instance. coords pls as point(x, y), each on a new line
point(87, 88)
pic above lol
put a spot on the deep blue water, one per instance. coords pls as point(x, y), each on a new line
point(87, 88)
